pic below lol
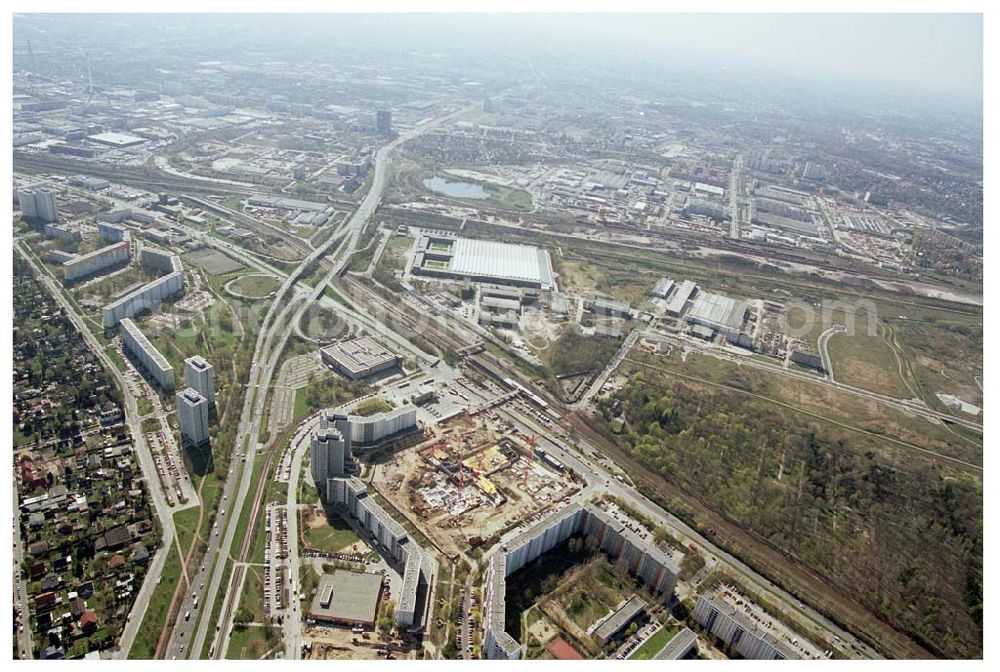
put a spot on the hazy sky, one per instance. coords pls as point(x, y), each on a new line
point(933, 52)
point(938, 54)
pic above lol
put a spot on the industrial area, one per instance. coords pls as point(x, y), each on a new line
point(416, 364)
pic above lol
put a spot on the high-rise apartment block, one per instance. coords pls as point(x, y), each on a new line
point(198, 374)
point(192, 416)
point(38, 204)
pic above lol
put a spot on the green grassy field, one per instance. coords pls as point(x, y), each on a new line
point(250, 643)
point(148, 635)
point(185, 522)
point(654, 644)
point(865, 360)
point(256, 286)
point(331, 537)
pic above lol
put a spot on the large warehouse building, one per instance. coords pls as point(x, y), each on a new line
point(484, 261)
point(718, 312)
point(359, 357)
point(346, 598)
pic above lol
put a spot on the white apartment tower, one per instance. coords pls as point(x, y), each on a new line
point(38, 204)
point(192, 415)
point(198, 374)
point(330, 449)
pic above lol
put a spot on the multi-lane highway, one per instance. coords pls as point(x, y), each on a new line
point(270, 344)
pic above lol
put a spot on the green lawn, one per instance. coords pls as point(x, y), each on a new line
point(301, 405)
point(185, 521)
point(143, 406)
point(250, 643)
point(148, 636)
point(654, 644)
point(373, 406)
point(258, 286)
point(866, 361)
point(331, 537)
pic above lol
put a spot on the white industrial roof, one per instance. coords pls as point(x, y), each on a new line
point(718, 310)
point(501, 260)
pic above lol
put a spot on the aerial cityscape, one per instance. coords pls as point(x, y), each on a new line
point(520, 337)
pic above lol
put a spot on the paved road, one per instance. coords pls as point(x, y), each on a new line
point(143, 454)
point(600, 480)
point(183, 640)
point(293, 615)
point(20, 589)
point(735, 184)
point(603, 376)
point(260, 376)
point(904, 405)
point(822, 342)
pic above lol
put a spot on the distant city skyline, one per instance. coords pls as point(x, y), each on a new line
point(938, 54)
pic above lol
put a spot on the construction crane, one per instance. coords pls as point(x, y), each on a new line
point(531, 458)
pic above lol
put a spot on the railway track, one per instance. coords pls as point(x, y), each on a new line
point(239, 569)
point(142, 178)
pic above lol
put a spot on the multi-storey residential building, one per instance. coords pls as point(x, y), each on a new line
point(151, 293)
point(351, 495)
point(192, 416)
point(88, 264)
point(149, 358)
point(644, 560)
point(740, 633)
point(329, 449)
point(198, 374)
point(39, 204)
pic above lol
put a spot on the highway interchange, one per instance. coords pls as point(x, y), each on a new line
point(191, 636)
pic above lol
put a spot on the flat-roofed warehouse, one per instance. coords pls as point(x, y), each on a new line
point(718, 312)
point(359, 357)
point(347, 598)
point(484, 261)
point(117, 139)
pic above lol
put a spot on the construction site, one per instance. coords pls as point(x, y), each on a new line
point(472, 482)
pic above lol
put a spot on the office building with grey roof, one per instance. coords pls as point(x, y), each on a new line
point(346, 598)
point(359, 357)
